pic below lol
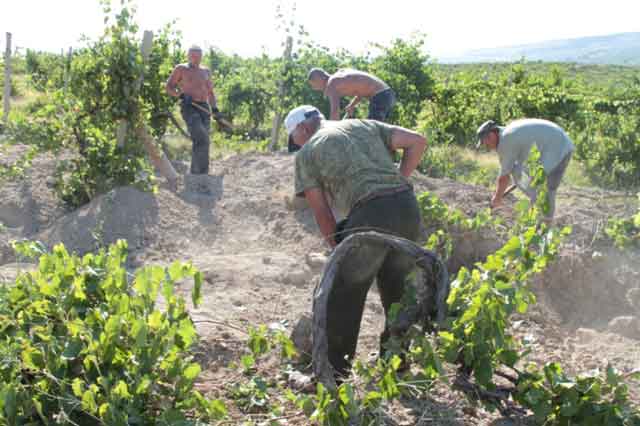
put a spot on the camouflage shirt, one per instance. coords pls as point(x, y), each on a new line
point(348, 160)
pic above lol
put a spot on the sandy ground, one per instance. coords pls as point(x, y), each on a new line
point(261, 255)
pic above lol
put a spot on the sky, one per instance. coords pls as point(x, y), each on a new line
point(249, 27)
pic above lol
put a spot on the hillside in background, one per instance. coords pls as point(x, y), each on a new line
point(618, 49)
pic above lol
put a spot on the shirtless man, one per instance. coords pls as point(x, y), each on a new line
point(192, 84)
point(359, 84)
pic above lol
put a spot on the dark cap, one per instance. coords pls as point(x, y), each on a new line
point(484, 130)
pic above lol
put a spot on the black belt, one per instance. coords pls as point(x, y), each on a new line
point(378, 194)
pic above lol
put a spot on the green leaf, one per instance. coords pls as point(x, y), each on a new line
point(32, 358)
point(187, 332)
point(177, 271)
point(509, 357)
point(72, 349)
point(372, 399)
point(345, 393)
point(217, 409)
point(89, 401)
point(77, 386)
point(139, 332)
point(192, 371)
point(144, 385)
point(248, 361)
point(104, 408)
point(196, 293)
point(121, 390)
point(155, 320)
point(9, 402)
point(613, 377)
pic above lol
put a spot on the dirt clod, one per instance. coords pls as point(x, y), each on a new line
point(628, 326)
point(301, 336)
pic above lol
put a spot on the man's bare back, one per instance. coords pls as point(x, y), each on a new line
point(350, 82)
point(192, 81)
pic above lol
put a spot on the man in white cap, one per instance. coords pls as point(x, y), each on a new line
point(513, 144)
point(349, 162)
point(192, 84)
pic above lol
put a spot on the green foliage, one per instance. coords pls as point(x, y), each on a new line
point(609, 147)
point(250, 92)
point(46, 70)
point(602, 120)
point(16, 170)
point(483, 299)
point(83, 343)
point(447, 161)
point(166, 52)
point(464, 100)
point(441, 221)
point(593, 399)
point(104, 93)
point(625, 232)
point(405, 67)
point(14, 89)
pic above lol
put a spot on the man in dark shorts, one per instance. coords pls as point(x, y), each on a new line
point(192, 83)
point(349, 162)
point(359, 84)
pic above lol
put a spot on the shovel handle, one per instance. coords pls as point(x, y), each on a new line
point(226, 123)
point(510, 189)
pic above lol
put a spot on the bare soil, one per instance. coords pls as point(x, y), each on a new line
point(261, 255)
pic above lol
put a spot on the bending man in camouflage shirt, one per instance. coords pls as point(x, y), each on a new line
point(349, 162)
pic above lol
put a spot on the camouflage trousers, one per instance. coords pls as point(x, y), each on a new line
point(397, 214)
point(199, 124)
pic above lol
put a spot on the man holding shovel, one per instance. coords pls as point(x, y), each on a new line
point(349, 162)
point(513, 144)
point(192, 84)
point(359, 84)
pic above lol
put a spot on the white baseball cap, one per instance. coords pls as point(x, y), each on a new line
point(298, 115)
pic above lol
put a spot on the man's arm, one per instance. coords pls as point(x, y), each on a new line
point(334, 102)
point(501, 185)
point(352, 105)
point(172, 83)
point(323, 214)
point(412, 144)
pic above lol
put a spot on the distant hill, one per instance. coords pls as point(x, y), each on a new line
point(617, 49)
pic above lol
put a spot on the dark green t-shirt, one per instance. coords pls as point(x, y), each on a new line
point(348, 160)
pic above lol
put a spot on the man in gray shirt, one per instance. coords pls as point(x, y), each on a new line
point(513, 144)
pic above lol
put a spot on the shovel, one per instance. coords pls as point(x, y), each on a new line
point(218, 116)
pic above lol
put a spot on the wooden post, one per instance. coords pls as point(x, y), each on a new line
point(156, 156)
point(7, 81)
point(277, 119)
point(145, 48)
point(67, 68)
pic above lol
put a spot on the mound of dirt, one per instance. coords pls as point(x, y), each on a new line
point(261, 255)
